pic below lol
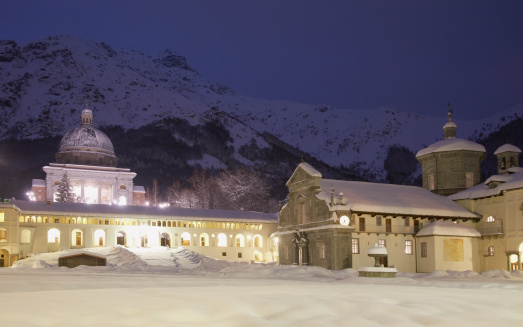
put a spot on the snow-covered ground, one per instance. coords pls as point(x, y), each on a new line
point(162, 287)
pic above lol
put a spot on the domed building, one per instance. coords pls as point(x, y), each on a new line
point(86, 145)
point(86, 155)
point(451, 165)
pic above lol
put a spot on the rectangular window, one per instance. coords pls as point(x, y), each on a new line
point(56, 220)
point(239, 255)
point(423, 249)
point(3, 235)
point(2, 217)
point(388, 225)
point(202, 240)
point(224, 254)
point(355, 245)
point(431, 182)
point(407, 221)
point(408, 247)
point(362, 224)
point(491, 251)
point(378, 220)
point(469, 179)
point(381, 243)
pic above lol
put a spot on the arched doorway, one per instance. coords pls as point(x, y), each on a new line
point(165, 240)
point(204, 239)
point(76, 237)
point(99, 237)
point(186, 239)
point(120, 238)
point(143, 240)
point(4, 258)
point(258, 241)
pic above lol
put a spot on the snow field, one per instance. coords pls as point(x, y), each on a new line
point(171, 287)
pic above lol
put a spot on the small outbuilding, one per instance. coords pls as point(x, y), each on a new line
point(72, 260)
point(445, 245)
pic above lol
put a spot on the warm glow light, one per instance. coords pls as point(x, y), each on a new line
point(31, 196)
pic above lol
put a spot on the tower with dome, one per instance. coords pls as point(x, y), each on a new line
point(86, 155)
point(452, 164)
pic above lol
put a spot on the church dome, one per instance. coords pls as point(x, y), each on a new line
point(86, 136)
point(86, 145)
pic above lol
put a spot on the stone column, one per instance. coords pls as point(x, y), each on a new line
point(82, 182)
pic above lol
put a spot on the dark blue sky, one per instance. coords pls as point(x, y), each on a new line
point(411, 56)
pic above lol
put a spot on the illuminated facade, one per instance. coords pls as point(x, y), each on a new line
point(38, 227)
point(87, 156)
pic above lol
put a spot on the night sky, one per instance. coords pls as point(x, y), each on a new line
point(412, 56)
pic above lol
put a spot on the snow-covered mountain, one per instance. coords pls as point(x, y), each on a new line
point(44, 86)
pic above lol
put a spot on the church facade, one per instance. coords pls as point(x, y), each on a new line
point(453, 223)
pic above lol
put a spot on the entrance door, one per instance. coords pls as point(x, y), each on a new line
point(1, 262)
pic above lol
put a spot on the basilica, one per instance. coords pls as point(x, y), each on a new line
point(111, 211)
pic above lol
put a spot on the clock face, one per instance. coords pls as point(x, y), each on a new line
point(344, 220)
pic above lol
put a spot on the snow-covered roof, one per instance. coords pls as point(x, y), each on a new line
point(507, 148)
point(450, 124)
point(391, 199)
point(138, 189)
point(448, 228)
point(38, 183)
point(451, 144)
point(141, 212)
point(76, 253)
point(510, 182)
point(308, 169)
point(86, 136)
point(514, 170)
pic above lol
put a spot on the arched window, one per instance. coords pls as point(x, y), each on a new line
point(53, 236)
point(122, 200)
point(99, 237)
point(258, 241)
point(222, 240)
point(204, 239)
point(490, 219)
point(77, 237)
point(186, 239)
point(239, 241)
point(165, 240)
point(120, 238)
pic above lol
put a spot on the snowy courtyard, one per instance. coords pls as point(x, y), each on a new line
point(174, 287)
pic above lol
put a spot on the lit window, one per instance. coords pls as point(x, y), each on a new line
point(186, 239)
point(53, 236)
point(240, 241)
point(381, 243)
point(355, 245)
point(408, 247)
point(3, 235)
point(423, 249)
point(491, 251)
point(490, 219)
point(2, 217)
point(258, 243)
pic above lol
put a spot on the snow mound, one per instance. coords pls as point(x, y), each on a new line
point(38, 264)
